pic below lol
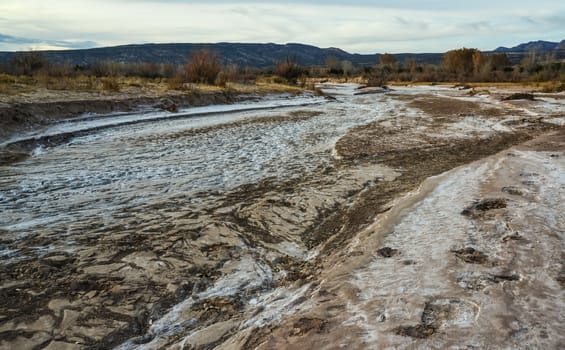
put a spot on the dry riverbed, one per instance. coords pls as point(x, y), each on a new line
point(423, 217)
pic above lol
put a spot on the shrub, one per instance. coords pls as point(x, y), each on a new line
point(554, 88)
point(289, 70)
point(28, 63)
point(376, 77)
point(462, 63)
point(202, 67)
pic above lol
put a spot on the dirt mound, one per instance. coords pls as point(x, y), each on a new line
point(519, 96)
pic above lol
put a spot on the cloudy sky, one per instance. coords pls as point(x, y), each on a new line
point(360, 26)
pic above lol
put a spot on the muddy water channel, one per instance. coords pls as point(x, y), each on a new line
point(147, 233)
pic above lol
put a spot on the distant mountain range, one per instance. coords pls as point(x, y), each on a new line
point(251, 55)
point(539, 46)
point(243, 55)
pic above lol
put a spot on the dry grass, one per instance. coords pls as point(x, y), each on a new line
point(533, 85)
point(42, 88)
point(554, 88)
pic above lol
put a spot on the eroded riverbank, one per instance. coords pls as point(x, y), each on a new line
point(209, 236)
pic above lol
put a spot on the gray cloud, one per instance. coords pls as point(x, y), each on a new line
point(478, 26)
point(357, 25)
point(529, 20)
point(555, 20)
point(8, 39)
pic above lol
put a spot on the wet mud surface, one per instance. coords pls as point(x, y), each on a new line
point(250, 232)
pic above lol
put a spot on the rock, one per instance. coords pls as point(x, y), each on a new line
point(167, 104)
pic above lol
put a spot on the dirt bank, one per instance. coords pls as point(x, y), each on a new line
point(18, 117)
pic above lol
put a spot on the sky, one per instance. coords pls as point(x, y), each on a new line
point(357, 26)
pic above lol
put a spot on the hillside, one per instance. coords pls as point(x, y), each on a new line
point(258, 55)
point(244, 55)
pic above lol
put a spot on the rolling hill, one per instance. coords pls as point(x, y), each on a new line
point(244, 55)
point(257, 55)
point(539, 46)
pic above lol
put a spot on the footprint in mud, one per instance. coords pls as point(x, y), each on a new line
point(479, 207)
point(515, 236)
point(419, 331)
point(529, 183)
point(388, 252)
point(529, 175)
point(478, 281)
point(442, 312)
point(471, 255)
point(530, 179)
point(513, 190)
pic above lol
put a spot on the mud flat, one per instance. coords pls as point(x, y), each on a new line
point(417, 218)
